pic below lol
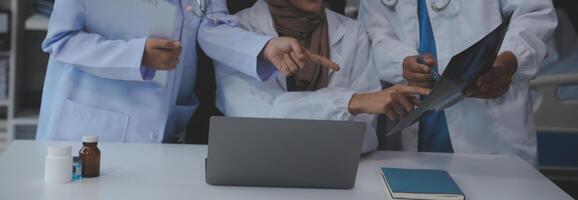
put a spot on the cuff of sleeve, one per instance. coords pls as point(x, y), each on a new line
point(525, 71)
point(140, 73)
point(147, 73)
point(343, 105)
point(263, 69)
point(398, 69)
point(390, 67)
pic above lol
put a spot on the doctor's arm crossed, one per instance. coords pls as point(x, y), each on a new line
point(68, 42)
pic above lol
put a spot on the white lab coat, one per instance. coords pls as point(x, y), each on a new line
point(97, 86)
point(499, 126)
point(245, 96)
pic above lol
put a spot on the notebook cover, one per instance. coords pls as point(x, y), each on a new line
point(420, 181)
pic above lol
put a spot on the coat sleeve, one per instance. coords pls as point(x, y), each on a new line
point(331, 103)
point(387, 48)
point(222, 39)
point(533, 23)
point(67, 42)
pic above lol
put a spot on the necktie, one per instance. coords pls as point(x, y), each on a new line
point(433, 127)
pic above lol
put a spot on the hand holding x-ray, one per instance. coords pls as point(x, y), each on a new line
point(417, 70)
point(474, 67)
point(496, 81)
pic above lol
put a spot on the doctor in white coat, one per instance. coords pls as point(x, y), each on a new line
point(497, 117)
point(352, 93)
point(103, 87)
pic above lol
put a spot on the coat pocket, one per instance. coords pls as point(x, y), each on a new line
point(76, 120)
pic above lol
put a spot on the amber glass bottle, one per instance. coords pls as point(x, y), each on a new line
point(90, 157)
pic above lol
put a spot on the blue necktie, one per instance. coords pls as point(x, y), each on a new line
point(433, 128)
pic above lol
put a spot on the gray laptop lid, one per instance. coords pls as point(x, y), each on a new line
point(283, 152)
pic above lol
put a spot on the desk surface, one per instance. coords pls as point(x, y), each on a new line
point(163, 171)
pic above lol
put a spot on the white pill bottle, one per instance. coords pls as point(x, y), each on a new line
point(58, 165)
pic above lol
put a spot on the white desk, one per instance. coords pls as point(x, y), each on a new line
point(161, 171)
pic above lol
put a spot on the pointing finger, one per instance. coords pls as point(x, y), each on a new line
point(317, 59)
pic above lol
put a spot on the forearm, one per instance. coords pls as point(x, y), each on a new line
point(533, 23)
point(222, 39)
point(328, 104)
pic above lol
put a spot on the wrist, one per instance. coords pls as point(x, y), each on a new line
point(355, 104)
point(265, 51)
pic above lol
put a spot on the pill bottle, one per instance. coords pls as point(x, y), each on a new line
point(58, 165)
point(90, 157)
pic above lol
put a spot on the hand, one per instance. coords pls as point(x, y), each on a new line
point(395, 101)
point(418, 74)
point(289, 57)
point(161, 54)
point(496, 81)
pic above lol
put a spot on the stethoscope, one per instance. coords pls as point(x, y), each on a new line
point(201, 11)
point(436, 5)
point(202, 8)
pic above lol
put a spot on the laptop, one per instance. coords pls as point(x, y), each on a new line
point(283, 152)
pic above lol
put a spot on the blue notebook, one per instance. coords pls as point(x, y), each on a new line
point(421, 184)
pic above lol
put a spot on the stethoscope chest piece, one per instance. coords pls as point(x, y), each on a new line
point(439, 5)
point(389, 3)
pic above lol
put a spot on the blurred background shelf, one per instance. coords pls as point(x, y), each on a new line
point(28, 118)
point(25, 71)
point(36, 22)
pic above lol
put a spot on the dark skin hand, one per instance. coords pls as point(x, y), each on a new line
point(496, 81)
point(490, 85)
point(416, 73)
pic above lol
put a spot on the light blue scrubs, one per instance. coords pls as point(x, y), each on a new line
point(96, 86)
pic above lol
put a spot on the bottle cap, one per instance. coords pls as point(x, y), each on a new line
point(90, 138)
point(59, 150)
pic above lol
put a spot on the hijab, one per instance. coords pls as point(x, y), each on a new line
point(311, 30)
